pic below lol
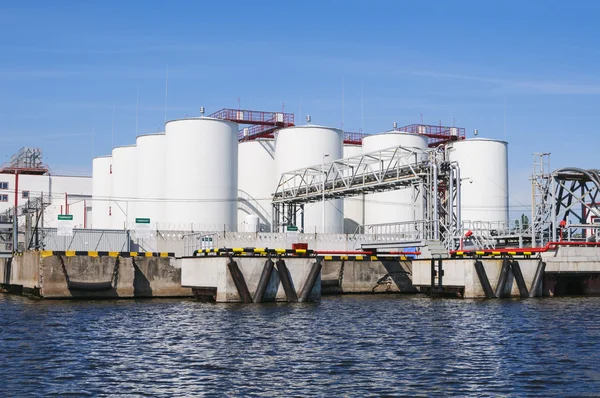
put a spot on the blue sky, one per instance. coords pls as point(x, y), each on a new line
point(63, 64)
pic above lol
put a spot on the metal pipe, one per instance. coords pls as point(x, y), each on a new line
point(518, 274)
point(239, 281)
point(537, 278)
point(263, 282)
point(436, 230)
point(313, 275)
point(502, 278)
point(15, 216)
point(284, 277)
point(483, 279)
point(323, 198)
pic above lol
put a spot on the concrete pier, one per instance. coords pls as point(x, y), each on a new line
point(61, 275)
point(567, 271)
point(367, 276)
point(212, 277)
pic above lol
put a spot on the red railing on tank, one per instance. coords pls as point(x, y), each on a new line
point(262, 124)
point(437, 134)
point(353, 138)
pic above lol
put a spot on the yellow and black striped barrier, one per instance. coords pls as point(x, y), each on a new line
point(253, 251)
point(73, 253)
point(491, 254)
point(362, 258)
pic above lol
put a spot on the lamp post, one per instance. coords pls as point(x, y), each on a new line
point(323, 192)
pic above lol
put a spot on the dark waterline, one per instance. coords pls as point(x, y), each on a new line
point(351, 345)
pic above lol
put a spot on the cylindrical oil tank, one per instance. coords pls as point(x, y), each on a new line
point(201, 179)
point(354, 206)
point(150, 178)
point(484, 173)
point(124, 186)
point(101, 191)
point(304, 146)
point(256, 162)
point(400, 205)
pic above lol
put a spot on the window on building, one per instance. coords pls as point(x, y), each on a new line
point(3, 185)
point(3, 198)
point(25, 194)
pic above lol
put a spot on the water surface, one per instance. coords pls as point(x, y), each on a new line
point(343, 346)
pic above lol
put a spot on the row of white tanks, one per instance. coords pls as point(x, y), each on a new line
point(197, 176)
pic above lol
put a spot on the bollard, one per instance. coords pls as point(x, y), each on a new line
point(483, 279)
point(314, 273)
point(264, 281)
point(516, 270)
point(537, 279)
point(239, 281)
point(288, 287)
point(503, 278)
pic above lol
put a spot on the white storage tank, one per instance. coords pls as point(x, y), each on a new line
point(124, 186)
point(484, 173)
point(251, 223)
point(101, 191)
point(354, 207)
point(393, 206)
point(304, 146)
point(256, 163)
point(150, 178)
point(201, 174)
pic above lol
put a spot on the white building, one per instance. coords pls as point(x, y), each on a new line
point(60, 194)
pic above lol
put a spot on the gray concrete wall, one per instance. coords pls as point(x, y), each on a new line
point(135, 276)
point(158, 277)
point(21, 271)
point(209, 272)
point(55, 270)
point(367, 276)
point(461, 273)
point(573, 259)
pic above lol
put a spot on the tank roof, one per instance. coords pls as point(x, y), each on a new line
point(480, 139)
point(205, 118)
point(123, 146)
point(149, 135)
point(304, 126)
point(392, 132)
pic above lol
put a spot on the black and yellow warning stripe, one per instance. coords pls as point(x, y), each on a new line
point(256, 251)
point(491, 253)
point(362, 258)
point(73, 253)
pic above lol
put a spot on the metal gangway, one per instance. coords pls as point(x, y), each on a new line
point(378, 171)
point(434, 180)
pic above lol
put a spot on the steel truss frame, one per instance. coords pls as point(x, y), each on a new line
point(435, 183)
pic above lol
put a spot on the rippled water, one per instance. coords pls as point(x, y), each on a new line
point(350, 345)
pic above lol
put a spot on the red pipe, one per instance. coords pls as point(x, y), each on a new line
point(16, 190)
point(549, 246)
point(344, 252)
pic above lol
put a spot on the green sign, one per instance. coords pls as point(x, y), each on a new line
point(142, 221)
point(292, 228)
point(65, 217)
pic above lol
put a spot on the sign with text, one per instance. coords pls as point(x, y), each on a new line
point(291, 232)
point(65, 225)
point(142, 228)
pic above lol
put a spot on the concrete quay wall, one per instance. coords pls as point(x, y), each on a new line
point(207, 274)
point(63, 276)
point(386, 276)
point(460, 275)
